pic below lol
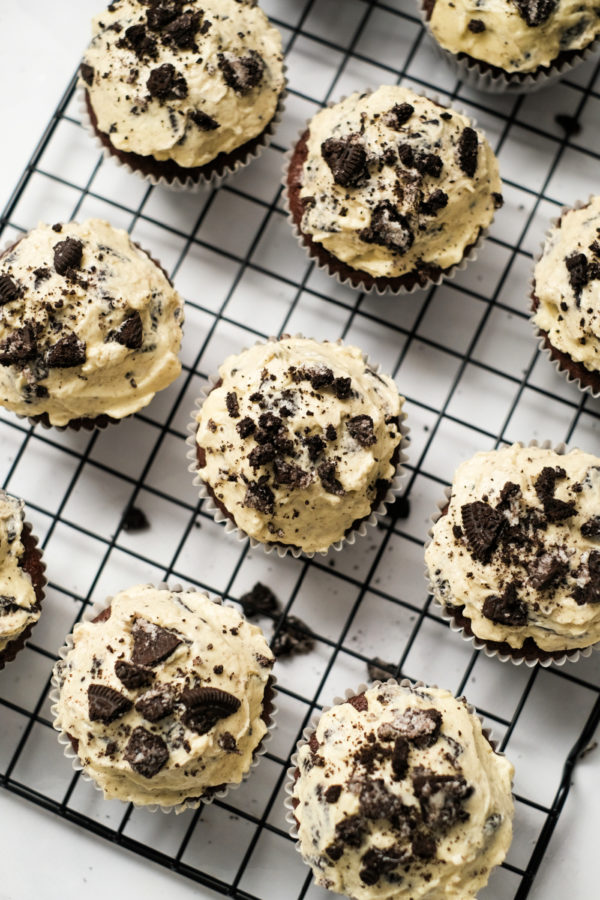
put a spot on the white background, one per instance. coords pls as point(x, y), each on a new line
point(41, 855)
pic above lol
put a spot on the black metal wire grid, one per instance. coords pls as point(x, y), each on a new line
point(460, 353)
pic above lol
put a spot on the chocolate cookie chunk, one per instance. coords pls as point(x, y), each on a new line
point(293, 637)
point(130, 332)
point(441, 798)
point(151, 643)
point(203, 121)
point(327, 472)
point(481, 524)
point(506, 609)
point(105, 704)
point(347, 159)
point(361, 429)
point(242, 73)
point(67, 255)
point(259, 601)
point(87, 73)
point(467, 151)
point(204, 707)
point(535, 12)
point(146, 753)
point(136, 38)
point(389, 228)
point(67, 353)
point(398, 115)
point(260, 496)
point(9, 289)
point(132, 675)
point(166, 83)
point(19, 347)
point(157, 703)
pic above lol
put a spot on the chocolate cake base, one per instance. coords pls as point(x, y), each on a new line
point(169, 170)
point(31, 562)
point(567, 365)
point(425, 275)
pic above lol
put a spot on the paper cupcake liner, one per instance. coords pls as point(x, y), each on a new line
point(360, 530)
point(199, 182)
point(310, 729)
point(461, 624)
point(192, 802)
point(544, 344)
point(354, 279)
point(31, 548)
point(483, 77)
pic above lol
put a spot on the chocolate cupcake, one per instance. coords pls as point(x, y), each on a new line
point(297, 443)
point(566, 295)
point(398, 792)
point(390, 191)
point(183, 92)
point(90, 326)
point(514, 557)
point(165, 697)
point(513, 45)
point(22, 578)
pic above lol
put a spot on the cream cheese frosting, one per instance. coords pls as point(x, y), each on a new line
point(515, 35)
point(399, 794)
point(183, 81)
point(18, 603)
point(298, 440)
point(519, 547)
point(567, 285)
point(164, 698)
point(393, 182)
point(89, 324)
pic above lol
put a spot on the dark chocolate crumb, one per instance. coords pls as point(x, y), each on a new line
point(151, 643)
point(233, 406)
point(67, 255)
point(105, 704)
point(506, 609)
point(346, 158)
point(202, 120)
point(146, 753)
point(242, 73)
point(535, 12)
point(327, 473)
point(259, 601)
point(398, 116)
point(156, 703)
point(467, 151)
point(132, 675)
point(332, 793)
point(389, 228)
point(9, 289)
point(166, 83)
point(18, 347)
point(87, 73)
point(361, 429)
point(134, 519)
point(293, 637)
point(476, 26)
point(204, 706)
point(67, 353)
point(130, 332)
point(246, 427)
point(481, 524)
point(259, 496)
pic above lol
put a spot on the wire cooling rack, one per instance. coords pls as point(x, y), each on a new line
point(462, 354)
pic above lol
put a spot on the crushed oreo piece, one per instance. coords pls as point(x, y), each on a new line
point(346, 158)
point(498, 200)
point(204, 706)
point(545, 483)
point(332, 794)
point(67, 255)
point(134, 519)
point(227, 742)
point(535, 12)
point(137, 39)
point(330, 433)
point(151, 643)
point(441, 798)
point(161, 12)
point(156, 703)
point(591, 528)
point(87, 73)
point(261, 455)
point(361, 429)
point(546, 570)
point(342, 388)
point(481, 524)
point(398, 115)
point(509, 492)
point(259, 601)
point(242, 73)
point(166, 83)
point(130, 332)
point(467, 151)
point(577, 267)
point(590, 592)
point(400, 755)
point(18, 347)
point(350, 832)
point(436, 201)
point(315, 446)
point(67, 353)
point(327, 473)
point(320, 376)
point(419, 726)
point(290, 473)
point(476, 26)
point(423, 845)
point(246, 427)
point(259, 496)
point(293, 637)
point(146, 753)
point(376, 802)
point(389, 228)
point(202, 120)
point(506, 609)
point(105, 704)
point(182, 31)
point(9, 289)
point(133, 676)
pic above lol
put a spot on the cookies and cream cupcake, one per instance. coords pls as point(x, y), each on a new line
point(183, 91)
point(398, 792)
point(90, 325)
point(298, 441)
point(566, 294)
point(514, 557)
point(165, 696)
point(21, 578)
point(391, 191)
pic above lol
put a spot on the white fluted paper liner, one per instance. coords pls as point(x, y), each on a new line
point(557, 658)
point(16, 644)
point(541, 341)
point(199, 182)
point(474, 72)
point(470, 255)
point(193, 802)
point(394, 490)
point(312, 727)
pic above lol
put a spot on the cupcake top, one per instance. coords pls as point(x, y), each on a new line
point(89, 324)
point(183, 81)
point(399, 794)
point(514, 35)
point(163, 695)
point(393, 181)
point(18, 603)
point(297, 440)
point(567, 285)
point(519, 547)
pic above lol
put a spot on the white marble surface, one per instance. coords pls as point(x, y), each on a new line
point(47, 857)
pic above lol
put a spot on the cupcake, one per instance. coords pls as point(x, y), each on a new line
point(399, 793)
point(182, 91)
point(90, 326)
point(512, 44)
point(391, 191)
point(21, 578)
point(566, 295)
point(165, 697)
point(298, 442)
point(514, 557)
